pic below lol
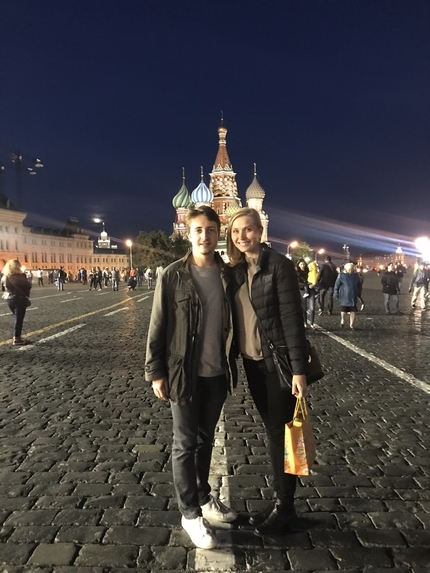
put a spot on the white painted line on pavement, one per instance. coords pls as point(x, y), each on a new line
point(222, 557)
point(48, 338)
point(372, 358)
point(144, 298)
point(102, 293)
point(61, 293)
point(115, 311)
point(71, 299)
point(28, 309)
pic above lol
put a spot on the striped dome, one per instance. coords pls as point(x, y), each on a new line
point(202, 194)
point(182, 199)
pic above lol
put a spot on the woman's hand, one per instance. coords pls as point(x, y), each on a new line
point(299, 387)
point(161, 389)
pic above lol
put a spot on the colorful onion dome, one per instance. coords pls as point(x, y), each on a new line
point(255, 190)
point(202, 194)
point(232, 208)
point(182, 199)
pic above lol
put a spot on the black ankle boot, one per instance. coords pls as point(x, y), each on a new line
point(261, 516)
point(278, 521)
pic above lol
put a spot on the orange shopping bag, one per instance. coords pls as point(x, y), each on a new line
point(299, 442)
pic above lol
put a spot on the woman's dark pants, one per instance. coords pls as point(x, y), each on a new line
point(18, 306)
point(276, 408)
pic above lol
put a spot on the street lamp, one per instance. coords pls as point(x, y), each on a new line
point(130, 244)
point(97, 220)
point(347, 253)
point(292, 245)
point(320, 252)
point(423, 245)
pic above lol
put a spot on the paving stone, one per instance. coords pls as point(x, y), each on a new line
point(395, 520)
point(15, 553)
point(305, 560)
point(34, 533)
point(53, 554)
point(129, 535)
point(108, 556)
point(32, 517)
point(388, 538)
point(79, 535)
point(169, 557)
point(329, 539)
point(361, 557)
point(412, 557)
point(78, 517)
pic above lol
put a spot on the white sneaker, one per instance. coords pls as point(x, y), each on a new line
point(215, 509)
point(306, 295)
point(199, 531)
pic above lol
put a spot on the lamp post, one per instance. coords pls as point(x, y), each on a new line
point(347, 253)
point(320, 252)
point(423, 246)
point(292, 245)
point(130, 244)
point(20, 161)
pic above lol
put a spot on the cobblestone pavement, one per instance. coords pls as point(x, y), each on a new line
point(85, 475)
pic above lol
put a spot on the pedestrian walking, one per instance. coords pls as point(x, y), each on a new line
point(390, 289)
point(327, 280)
point(359, 271)
point(190, 361)
point(418, 286)
point(92, 275)
point(148, 276)
point(302, 271)
point(61, 278)
point(267, 296)
point(17, 293)
point(39, 275)
point(115, 278)
point(310, 301)
point(99, 279)
point(347, 289)
point(132, 279)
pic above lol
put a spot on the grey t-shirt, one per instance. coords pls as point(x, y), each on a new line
point(207, 281)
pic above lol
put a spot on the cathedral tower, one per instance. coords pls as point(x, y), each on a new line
point(223, 181)
point(254, 199)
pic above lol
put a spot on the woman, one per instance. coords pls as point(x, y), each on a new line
point(313, 277)
point(18, 290)
point(266, 296)
point(347, 289)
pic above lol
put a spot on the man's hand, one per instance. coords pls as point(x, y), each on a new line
point(161, 389)
point(299, 386)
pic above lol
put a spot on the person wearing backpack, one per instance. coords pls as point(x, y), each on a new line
point(328, 276)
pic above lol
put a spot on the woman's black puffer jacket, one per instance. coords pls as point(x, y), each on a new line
point(276, 299)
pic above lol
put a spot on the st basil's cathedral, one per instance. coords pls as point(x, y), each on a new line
point(221, 195)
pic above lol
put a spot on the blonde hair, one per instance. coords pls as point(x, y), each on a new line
point(234, 255)
point(12, 267)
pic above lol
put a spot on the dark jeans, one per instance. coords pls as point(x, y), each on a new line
point(329, 293)
point(18, 306)
point(193, 435)
point(391, 298)
point(308, 303)
point(276, 408)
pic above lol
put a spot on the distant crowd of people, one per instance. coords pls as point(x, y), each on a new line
point(319, 286)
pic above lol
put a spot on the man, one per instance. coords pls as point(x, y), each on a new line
point(390, 289)
point(189, 360)
point(328, 276)
point(39, 274)
point(419, 286)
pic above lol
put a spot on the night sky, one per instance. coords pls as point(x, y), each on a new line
point(330, 98)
